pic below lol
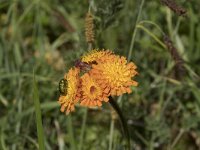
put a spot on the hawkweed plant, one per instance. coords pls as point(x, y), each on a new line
point(97, 77)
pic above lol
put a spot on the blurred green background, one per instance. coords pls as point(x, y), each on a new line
point(47, 36)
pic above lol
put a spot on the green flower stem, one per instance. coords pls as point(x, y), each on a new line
point(122, 119)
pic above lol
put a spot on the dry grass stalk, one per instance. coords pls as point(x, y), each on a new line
point(171, 4)
point(179, 62)
point(89, 28)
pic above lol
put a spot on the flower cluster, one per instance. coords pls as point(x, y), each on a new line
point(98, 75)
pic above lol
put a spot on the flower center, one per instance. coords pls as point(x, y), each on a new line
point(93, 89)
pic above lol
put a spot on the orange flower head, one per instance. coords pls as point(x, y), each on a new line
point(103, 74)
point(92, 93)
point(116, 74)
point(73, 95)
point(96, 56)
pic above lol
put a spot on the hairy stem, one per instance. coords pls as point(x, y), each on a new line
point(121, 118)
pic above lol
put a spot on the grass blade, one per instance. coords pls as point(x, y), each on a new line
point(40, 131)
point(2, 142)
point(83, 129)
point(71, 133)
point(112, 124)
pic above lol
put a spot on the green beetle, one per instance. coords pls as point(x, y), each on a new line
point(63, 87)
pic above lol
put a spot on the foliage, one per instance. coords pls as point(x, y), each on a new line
point(163, 112)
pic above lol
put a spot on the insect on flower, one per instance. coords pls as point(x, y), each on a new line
point(82, 65)
point(63, 87)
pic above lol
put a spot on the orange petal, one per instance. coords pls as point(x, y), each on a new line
point(99, 103)
point(106, 99)
point(128, 90)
